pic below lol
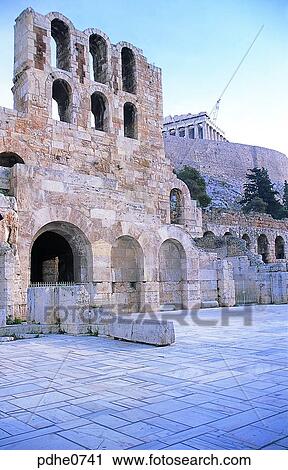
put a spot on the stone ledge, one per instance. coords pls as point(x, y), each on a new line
point(157, 333)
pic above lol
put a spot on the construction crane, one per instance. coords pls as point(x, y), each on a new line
point(215, 109)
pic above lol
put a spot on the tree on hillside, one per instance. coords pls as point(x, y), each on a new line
point(260, 195)
point(285, 196)
point(196, 185)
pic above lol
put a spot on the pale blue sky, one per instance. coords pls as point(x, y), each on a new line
point(197, 44)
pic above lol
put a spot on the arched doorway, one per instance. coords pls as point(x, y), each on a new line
point(52, 259)
point(127, 274)
point(247, 240)
point(61, 253)
point(172, 273)
point(279, 248)
point(263, 248)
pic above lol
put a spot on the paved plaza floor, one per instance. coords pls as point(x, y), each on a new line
point(217, 387)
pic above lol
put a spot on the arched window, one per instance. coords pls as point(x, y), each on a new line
point(130, 121)
point(263, 248)
point(176, 207)
point(208, 234)
point(98, 51)
point(61, 93)
point(99, 111)
point(279, 248)
point(128, 70)
point(61, 35)
point(9, 159)
point(247, 240)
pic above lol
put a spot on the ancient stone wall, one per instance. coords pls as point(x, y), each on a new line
point(96, 187)
point(248, 227)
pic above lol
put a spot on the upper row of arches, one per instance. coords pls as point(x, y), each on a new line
point(98, 50)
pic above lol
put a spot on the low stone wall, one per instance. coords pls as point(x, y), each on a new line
point(260, 284)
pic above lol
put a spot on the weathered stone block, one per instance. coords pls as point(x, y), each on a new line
point(157, 333)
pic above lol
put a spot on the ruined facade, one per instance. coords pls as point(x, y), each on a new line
point(91, 213)
point(87, 194)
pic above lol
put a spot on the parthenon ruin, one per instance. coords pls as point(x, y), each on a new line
point(193, 126)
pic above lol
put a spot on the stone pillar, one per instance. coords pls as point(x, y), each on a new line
point(196, 132)
point(225, 284)
point(150, 299)
point(192, 295)
point(7, 269)
point(186, 132)
point(205, 130)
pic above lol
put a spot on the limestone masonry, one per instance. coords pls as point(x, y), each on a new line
point(92, 217)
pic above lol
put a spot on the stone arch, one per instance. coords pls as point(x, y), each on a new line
point(172, 273)
point(228, 234)
point(9, 159)
point(60, 252)
point(209, 234)
point(127, 265)
point(99, 110)
point(279, 247)
point(130, 121)
point(62, 95)
point(128, 65)
point(176, 206)
point(98, 52)
point(60, 33)
point(247, 240)
point(263, 248)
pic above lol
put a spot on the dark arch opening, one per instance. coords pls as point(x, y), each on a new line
point(61, 93)
point(130, 121)
point(209, 234)
point(99, 111)
point(98, 51)
point(176, 207)
point(247, 240)
point(279, 248)
point(228, 234)
point(263, 248)
point(61, 35)
point(128, 70)
point(52, 259)
point(9, 159)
